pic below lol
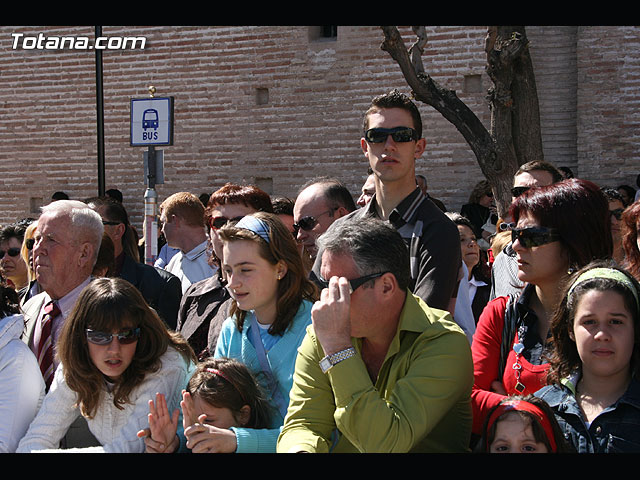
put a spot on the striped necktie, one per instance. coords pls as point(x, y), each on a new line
point(45, 346)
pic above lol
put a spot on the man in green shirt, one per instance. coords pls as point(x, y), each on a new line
point(379, 370)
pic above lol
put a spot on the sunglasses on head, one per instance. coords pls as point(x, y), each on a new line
point(534, 236)
point(517, 191)
point(617, 213)
point(356, 282)
point(125, 337)
point(308, 222)
point(399, 134)
point(13, 252)
point(218, 222)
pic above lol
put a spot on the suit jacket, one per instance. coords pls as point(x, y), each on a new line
point(78, 435)
point(31, 310)
point(161, 289)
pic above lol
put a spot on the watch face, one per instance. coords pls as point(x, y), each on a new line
point(325, 364)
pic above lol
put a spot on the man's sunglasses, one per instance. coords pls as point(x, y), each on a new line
point(218, 222)
point(125, 337)
point(355, 283)
point(617, 213)
point(307, 223)
point(13, 252)
point(399, 134)
point(534, 236)
point(517, 191)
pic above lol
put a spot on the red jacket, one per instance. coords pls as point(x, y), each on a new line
point(486, 358)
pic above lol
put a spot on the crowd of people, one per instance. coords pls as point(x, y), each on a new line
point(322, 324)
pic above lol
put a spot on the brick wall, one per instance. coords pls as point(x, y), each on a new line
point(315, 91)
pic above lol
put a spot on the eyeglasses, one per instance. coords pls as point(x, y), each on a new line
point(125, 337)
point(218, 222)
point(504, 226)
point(308, 222)
point(534, 236)
point(517, 191)
point(29, 243)
point(399, 134)
point(13, 252)
point(617, 213)
point(356, 282)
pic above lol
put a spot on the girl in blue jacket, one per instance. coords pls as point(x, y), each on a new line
point(594, 390)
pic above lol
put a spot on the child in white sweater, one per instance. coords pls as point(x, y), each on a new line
point(116, 354)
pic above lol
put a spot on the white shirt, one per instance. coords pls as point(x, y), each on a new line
point(21, 384)
point(191, 267)
point(114, 428)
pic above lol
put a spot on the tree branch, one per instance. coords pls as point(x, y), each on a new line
point(446, 102)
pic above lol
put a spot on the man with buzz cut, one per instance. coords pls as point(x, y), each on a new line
point(392, 141)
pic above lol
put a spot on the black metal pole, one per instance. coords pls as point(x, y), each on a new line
point(100, 116)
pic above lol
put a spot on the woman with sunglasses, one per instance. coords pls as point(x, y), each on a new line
point(558, 229)
point(479, 209)
point(205, 304)
point(13, 268)
point(116, 354)
point(272, 300)
point(594, 361)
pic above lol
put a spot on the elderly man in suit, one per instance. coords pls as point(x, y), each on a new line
point(67, 241)
point(66, 246)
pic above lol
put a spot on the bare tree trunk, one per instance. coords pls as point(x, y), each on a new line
point(514, 137)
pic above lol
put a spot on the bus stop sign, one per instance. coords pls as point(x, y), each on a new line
point(151, 121)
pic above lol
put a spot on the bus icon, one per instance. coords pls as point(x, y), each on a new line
point(150, 119)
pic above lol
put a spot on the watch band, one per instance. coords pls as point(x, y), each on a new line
point(330, 360)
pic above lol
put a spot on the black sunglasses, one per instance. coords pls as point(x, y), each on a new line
point(356, 282)
point(517, 191)
point(125, 337)
point(307, 223)
point(29, 243)
point(13, 252)
point(617, 213)
point(218, 222)
point(399, 134)
point(109, 222)
point(534, 236)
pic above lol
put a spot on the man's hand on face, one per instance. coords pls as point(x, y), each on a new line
point(330, 316)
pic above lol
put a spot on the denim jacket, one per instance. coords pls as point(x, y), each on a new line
point(615, 430)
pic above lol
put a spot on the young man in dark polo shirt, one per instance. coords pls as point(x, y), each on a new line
point(391, 143)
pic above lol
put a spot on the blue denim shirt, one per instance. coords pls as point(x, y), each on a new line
point(615, 430)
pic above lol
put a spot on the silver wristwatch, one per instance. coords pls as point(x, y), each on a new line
point(330, 360)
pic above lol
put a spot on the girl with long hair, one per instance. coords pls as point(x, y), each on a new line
point(595, 359)
point(116, 354)
point(272, 300)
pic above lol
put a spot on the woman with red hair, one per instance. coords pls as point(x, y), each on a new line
point(558, 229)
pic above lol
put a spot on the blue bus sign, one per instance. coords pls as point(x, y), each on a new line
point(151, 121)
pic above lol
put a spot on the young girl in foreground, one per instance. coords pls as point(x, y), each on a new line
point(115, 353)
point(593, 389)
point(222, 393)
point(521, 425)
